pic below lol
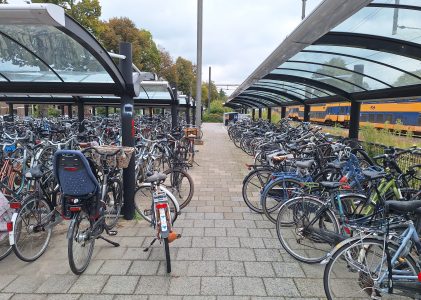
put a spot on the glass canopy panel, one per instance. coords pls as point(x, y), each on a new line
point(256, 101)
point(316, 91)
point(18, 64)
point(273, 96)
point(337, 82)
point(405, 64)
point(273, 91)
point(401, 2)
point(301, 93)
point(379, 21)
point(380, 72)
point(154, 91)
point(69, 59)
point(337, 70)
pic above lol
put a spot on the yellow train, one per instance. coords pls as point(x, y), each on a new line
point(402, 115)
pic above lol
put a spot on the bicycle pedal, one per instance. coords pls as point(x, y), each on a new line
point(112, 232)
point(147, 212)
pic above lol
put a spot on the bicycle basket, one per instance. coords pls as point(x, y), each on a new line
point(121, 159)
point(74, 174)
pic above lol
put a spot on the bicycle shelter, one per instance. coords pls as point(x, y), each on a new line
point(49, 58)
point(351, 51)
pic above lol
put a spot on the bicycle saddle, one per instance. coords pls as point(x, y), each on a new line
point(306, 164)
point(330, 185)
point(34, 173)
point(404, 206)
point(156, 177)
point(336, 164)
point(372, 174)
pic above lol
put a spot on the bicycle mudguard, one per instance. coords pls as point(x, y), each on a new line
point(279, 178)
point(12, 233)
point(173, 198)
point(71, 225)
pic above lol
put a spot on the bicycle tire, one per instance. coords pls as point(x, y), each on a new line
point(115, 186)
point(167, 254)
point(262, 181)
point(175, 179)
point(72, 236)
point(329, 289)
point(5, 247)
point(29, 208)
point(285, 234)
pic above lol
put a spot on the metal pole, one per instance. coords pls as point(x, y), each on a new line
point(128, 131)
point(354, 114)
point(306, 113)
point(26, 109)
point(199, 63)
point(62, 110)
point(174, 110)
point(194, 113)
point(395, 18)
point(270, 114)
point(70, 111)
point(253, 114)
point(209, 89)
point(80, 114)
point(107, 111)
point(150, 112)
point(303, 11)
point(11, 109)
point(93, 111)
point(283, 112)
point(260, 113)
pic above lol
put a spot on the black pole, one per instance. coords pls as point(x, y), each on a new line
point(62, 110)
point(107, 111)
point(260, 113)
point(11, 113)
point(70, 111)
point(26, 109)
point(174, 110)
point(93, 111)
point(115, 108)
point(127, 129)
point(354, 115)
point(253, 114)
point(306, 113)
point(80, 114)
point(283, 112)
point(270, 114)
point(150, 112)
point(194, 114)
point(163, 111)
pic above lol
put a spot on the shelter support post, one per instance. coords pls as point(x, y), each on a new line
point(260, 113)
point(70, 111)
point(174, 111)
point(81, 115)
point(10, 109)
point(26, 110)
point(253, 114)
point(283, 112)
point(188, 114)
point(93, 111)
point(194, 115)
point(354, 120)
point(150, 112)
point(128, 131)
point(306, 113)
point(115, 110)
point(163, 111)
point(270, 114)
point(107, 111)
point(62, 110)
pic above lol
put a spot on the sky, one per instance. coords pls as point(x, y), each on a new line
point(237, 34)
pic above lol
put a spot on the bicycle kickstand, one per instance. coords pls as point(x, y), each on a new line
point(109, 241)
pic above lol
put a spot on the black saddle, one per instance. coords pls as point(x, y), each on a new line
point(372, 174)
point(34, 173)
point(404, 206)
point(306, 164)
point(156, 178)
point(330, 185)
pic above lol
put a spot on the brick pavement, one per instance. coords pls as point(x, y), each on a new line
point(226, 251)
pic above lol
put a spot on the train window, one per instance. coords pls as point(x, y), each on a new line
point(388, 118)
point(419, 119)
point(379, 118)
point(363, 118)
point(371, 118)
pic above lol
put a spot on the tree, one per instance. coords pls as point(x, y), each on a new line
point(406, 79)
point(167, 69)
point(185, 75)
point(3, 1)
point(222, 95)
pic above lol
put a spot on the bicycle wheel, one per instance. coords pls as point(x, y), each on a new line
point(46, 157)
point(80, 245)
point(167, 254)
point(278, 192)
point(253, 184)
point(181, 185)
point(113, 202)
point(306, 244)
point(31, 237)
point(5, 247)
point(354, 268)
point(143, 200)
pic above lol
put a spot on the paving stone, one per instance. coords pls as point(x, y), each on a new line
point(241, 254)
point(178, 268)
point(96, 297)
point(62, 296)
point(233, 216)
point(199, 298)
point(285, 269)
point(227, 242)
point(135, 254)
point(201, 268)
point(115, 267)
point(141, 267)
point(230, 268)
point(204, 242)
point(281, 287)
point(6, 279)
point(131, 297)
point(224, 223)
point(190, 254)
point(215, 254)
point(240, 232)
point(262, 233)
point(25, 284)
point(204, 223)
point(28, 297)
point(193, 232)
point(120, 285)
point(215, 231)
point(5, 296)
point(185, 286)
point(153, 285)
point(245, 224)
point(57, 284)
point(268, 255)
point(214, 216)
point(259, 269)
point(89, 284)
point(249, 286)
point(216, 286)
point(251, 243)
point(310, 287)
point(111, 252)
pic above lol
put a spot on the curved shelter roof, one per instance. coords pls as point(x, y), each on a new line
point(345, 50)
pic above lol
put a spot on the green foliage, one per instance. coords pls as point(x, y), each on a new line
point(216, 114)
point(212, 118)
point(185, 75)
point(53, 112)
